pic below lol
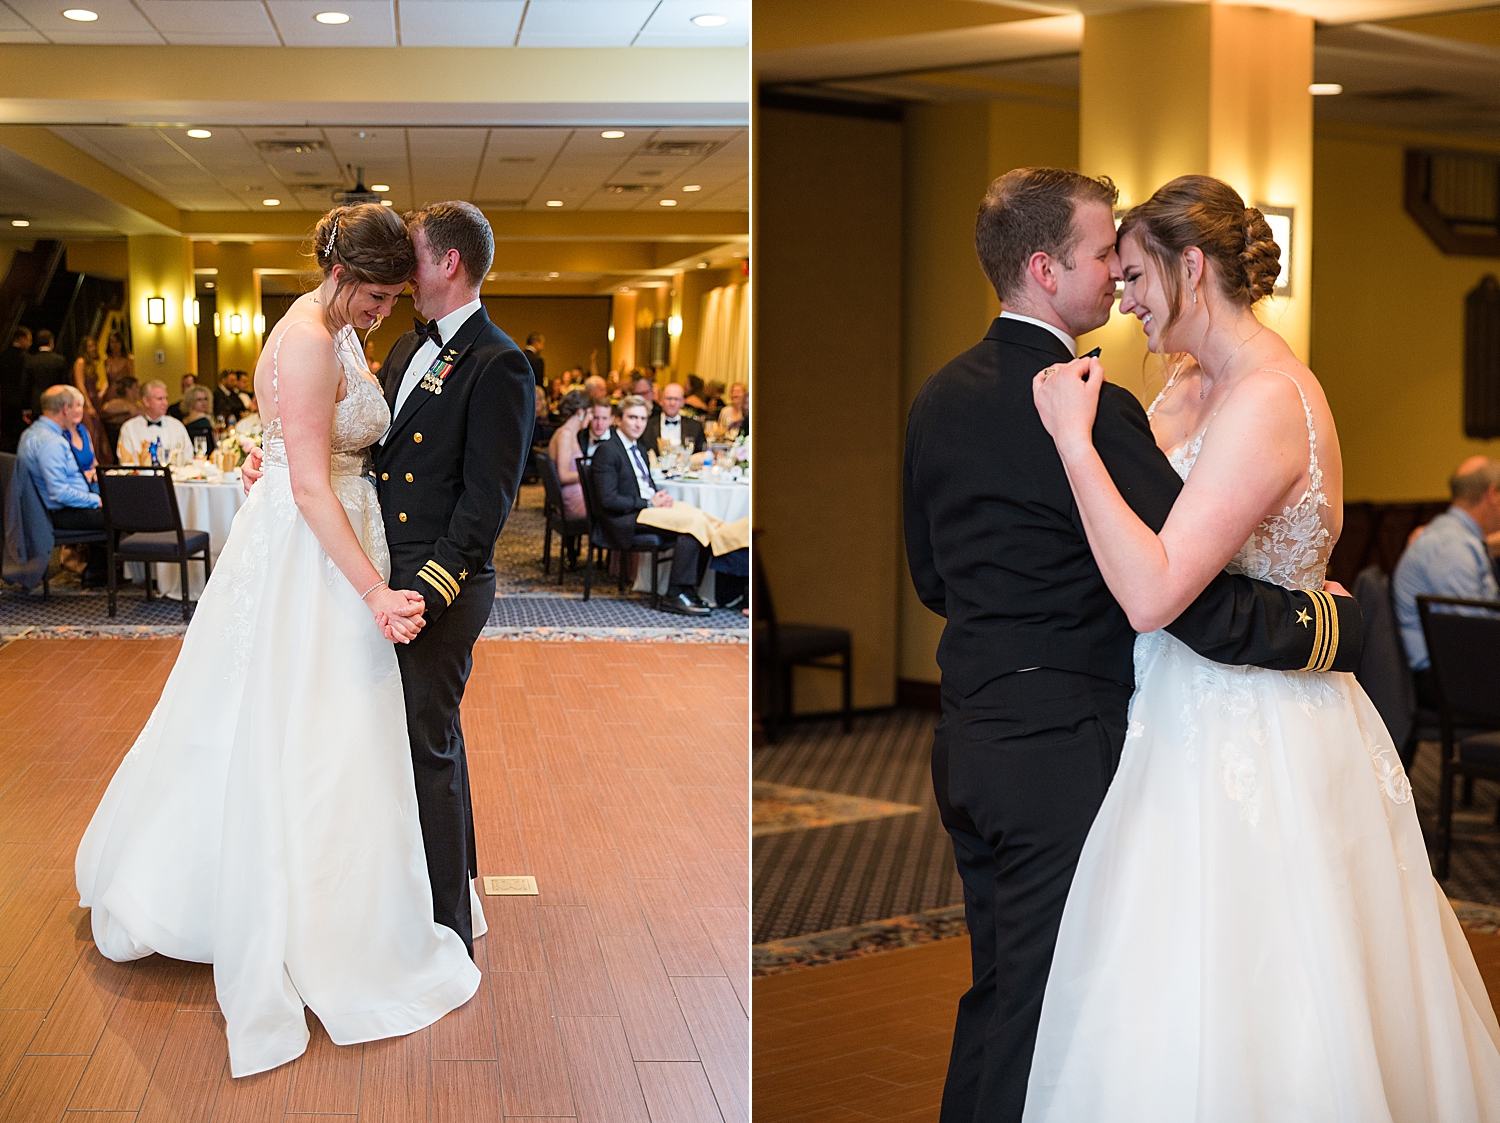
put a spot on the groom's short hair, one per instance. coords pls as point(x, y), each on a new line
point(1030, 210)
point(460, 226)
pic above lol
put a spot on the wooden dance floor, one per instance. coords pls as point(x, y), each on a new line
point(616, 774)
point(868, 1039)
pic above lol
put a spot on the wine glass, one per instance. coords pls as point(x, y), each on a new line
point(200, 447)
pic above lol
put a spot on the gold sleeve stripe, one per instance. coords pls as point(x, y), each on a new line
point(1333, 633)
point(440, 577)
point(457, 588)
point(446, 595)
point(1319, 629)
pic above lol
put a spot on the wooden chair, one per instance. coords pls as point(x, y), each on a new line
point(778, 648)
point(642, 543)
point(1465, 654)
point(142, 524)
point(569, 530)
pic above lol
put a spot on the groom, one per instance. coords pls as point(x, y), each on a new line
point(1036, 655)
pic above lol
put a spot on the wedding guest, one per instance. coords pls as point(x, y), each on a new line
point(1449, 559)
point(88, 377)
point(564, 450)
point(44, 367)
point(227, 402)
point(15, 390)
point(644, 387)
point(176, 408)
point(697, 396)
point(626, 488)
point(121, 402)
point(153, 429)
point(197, 420)
point(713, 395)
point(596, 389)
point(118, 363)
point(732, 415)
point(673, 424)
point(535, 342)
point(600, 427)
point(52, 461)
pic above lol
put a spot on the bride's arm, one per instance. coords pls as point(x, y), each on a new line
point(306, 399)
point(1257, 450)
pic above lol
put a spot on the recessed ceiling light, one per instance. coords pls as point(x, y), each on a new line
point(702, 265)
point(331, 17)
point(492, 276)
point(554, 276)
point(82, 15)
point(380, 187)
point(386, 203)
point(208, 284)
point(20, 222)
point(554, 202)
point(710, 20)
point(1325, 89)
point(693, 187)
point(669, 202)
point(612, 134)
point(270, 202)
point(199, 134)
point(624, 288)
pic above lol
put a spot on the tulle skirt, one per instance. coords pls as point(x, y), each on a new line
point(266, 819)
point(1253, 932)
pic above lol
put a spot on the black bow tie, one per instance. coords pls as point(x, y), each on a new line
point(428, 330)
point(157, 423)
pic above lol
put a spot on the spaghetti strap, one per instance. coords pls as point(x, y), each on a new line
point(1314, 472)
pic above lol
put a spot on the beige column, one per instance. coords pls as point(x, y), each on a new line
point(161, 284)
point(238, 288)
point(1212, 89)
point(622, 324)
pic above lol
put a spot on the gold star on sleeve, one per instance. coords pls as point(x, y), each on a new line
point(1303, 618)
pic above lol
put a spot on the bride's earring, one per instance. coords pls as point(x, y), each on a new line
point(1195, 295)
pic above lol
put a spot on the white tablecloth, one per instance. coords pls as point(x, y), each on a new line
point(727, 501)
point(204, 506)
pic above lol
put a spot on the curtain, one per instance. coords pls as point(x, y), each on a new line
point(724, 340)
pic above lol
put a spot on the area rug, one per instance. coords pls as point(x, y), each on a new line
point(779, 808)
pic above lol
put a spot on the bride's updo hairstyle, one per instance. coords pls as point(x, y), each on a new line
point(1199, 210)
point(370, 242)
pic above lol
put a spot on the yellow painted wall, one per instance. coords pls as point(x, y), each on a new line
point(161, 265)
point(828, 384)
point(237, 289)
point(1387, 328)
point(100, 259)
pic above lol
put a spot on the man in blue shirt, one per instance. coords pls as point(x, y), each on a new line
point(72, 501)
point(1450, 558)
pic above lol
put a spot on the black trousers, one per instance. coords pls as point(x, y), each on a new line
point(1019, 768)
point(434, 670)
point(689, 560)
point(77, 518)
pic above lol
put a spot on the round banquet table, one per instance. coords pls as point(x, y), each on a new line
point(203, 506)
point(726, 500)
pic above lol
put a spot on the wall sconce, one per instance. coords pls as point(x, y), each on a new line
point(156, 309)
point(189, 311)
point(196, 314)
point(260, 324)
point(674, 325)
point(611, 333)
point(1282, 221)
point(236, 324)
point(216, 325)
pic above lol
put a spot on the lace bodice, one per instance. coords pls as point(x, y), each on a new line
point(358, 420)
point(1289, 549)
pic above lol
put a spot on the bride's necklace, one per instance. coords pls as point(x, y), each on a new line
point(1202, 387)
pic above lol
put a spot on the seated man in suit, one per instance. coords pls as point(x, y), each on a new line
point(180, 406)
point(642, 387)
point(599, 428)
point(227, 401)
point(673, 424)
point(1450, 558)
point(622, 475)
point(71, 499)
point(153, 429)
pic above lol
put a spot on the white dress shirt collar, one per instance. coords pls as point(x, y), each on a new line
point(1067, 340)
point(448, 326)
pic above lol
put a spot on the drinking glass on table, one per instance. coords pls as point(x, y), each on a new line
point(200, 448)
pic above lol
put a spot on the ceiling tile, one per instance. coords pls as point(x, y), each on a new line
point(221, 22)
point(460, 23)
point(22, 37)
point(119, 22)
point(671, 25)
point(584, 23)
point(372, 23)
point(10, 21)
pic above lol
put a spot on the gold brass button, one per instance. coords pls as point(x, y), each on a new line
point(403, 516)
point(417, 437)
point(408, 477)
point(385, 475)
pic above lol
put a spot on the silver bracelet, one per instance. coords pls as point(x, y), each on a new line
point(371, 589)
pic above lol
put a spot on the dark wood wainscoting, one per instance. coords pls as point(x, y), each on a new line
point(1376, 533)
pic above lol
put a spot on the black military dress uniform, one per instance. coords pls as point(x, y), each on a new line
point(1036, 657)
point(447, 474)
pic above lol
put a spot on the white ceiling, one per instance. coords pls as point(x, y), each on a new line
point(498, 168)
point(382, 23)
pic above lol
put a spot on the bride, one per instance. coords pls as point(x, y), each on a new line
point(1253, 933)
point(266, 819)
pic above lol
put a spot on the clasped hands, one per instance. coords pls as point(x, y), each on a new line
point(1067, 399)
point(398, 612)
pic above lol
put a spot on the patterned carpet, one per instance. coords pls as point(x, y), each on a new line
point(528, 604)
point(834, 892)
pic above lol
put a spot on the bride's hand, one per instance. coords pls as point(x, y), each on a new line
point(398, 612)
point(1067, 398)
point(250, 470)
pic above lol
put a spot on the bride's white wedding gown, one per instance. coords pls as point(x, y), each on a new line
point(266, 819)
point(1253, 934)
